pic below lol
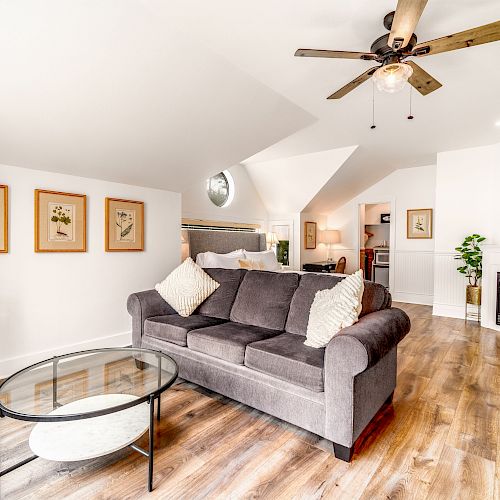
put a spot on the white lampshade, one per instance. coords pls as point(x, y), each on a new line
point(272, 239)
point(329, 236)
point(392, 77)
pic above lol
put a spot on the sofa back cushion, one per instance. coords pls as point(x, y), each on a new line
point(219, 304)
point(264, 298)
point(375, 297)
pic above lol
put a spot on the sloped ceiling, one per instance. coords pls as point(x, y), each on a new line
point(287, 185)
point(114, 90)
point(166, 93)
point(261, 38)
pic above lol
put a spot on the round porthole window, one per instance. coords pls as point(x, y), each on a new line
point(220, 189)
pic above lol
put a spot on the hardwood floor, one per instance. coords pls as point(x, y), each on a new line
point(439, 439)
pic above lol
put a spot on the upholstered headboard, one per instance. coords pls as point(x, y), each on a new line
point(224, 241)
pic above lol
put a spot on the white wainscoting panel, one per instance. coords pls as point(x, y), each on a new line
point(413, 277)
point(449, 287)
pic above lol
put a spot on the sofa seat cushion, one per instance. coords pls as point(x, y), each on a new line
point(227, 341)
point(174, 328)
point(287, 358)
point(264, 298)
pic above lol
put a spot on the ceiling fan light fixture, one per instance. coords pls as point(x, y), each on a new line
point(391, 78)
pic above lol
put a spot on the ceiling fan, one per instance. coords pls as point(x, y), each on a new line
point(391, 49)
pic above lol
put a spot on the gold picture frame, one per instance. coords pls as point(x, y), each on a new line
point(4, 218)
point(419, 223)
point(60, 221)
point(310, 234)
point(124, 227)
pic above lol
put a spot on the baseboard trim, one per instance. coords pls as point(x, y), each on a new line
point(413, 298)
point(448, 310)
point(11, 365)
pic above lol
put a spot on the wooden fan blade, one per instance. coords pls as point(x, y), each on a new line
point(336, 54)
point(421, 80)
point(405, 21)
point(468, 38)
point(355, 83)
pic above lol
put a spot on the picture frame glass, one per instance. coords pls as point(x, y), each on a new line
point(124, 225)
point(60, 222)
point(4, 214)
point(310, 235)
point(419, 224)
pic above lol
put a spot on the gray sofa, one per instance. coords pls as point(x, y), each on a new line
point(246, 342)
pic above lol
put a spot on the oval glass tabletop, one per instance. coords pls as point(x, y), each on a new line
point(34, 393)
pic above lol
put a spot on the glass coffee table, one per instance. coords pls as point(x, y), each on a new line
point(90, 403)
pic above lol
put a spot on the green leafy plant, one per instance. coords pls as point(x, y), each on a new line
point(469, 252)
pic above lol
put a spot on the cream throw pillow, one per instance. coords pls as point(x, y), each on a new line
point(334, 309)
point(252, 264)
point(186, 287)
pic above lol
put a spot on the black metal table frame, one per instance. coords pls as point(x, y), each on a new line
point(149, 398)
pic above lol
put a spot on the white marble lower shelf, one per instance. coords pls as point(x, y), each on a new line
point(92, 437)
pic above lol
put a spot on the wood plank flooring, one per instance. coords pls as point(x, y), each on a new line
point(438, 440)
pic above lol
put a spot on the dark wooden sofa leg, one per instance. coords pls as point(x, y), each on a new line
point(388, 401)
point(140, 365)
point(342, 452)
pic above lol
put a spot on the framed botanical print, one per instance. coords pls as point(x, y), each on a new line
point(419, 223)
point(310, 235)
point(124, 225)
point(4, 219)
point(60, 221)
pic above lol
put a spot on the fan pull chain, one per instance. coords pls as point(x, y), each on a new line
point(410, 116)
point(373, 106)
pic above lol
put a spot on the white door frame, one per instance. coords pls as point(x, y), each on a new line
point(289, 223)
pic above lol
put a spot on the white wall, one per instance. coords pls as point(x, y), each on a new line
point(61, 302)
point(467, 201)
point(319, 253)
point(245, 207)
point(411, 260)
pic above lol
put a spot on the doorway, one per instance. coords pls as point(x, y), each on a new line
point(375, 241)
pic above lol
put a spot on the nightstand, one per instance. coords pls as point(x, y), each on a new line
point(320, 267)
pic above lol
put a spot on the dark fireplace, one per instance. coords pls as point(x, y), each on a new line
point(498, 298)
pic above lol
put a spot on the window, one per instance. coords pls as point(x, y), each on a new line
point(220, 189)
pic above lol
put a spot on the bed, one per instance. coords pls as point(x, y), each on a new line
point(223, 241)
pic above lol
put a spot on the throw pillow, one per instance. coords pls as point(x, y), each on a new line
point(334, 309)
point(186, 287)
point(223, 261)
point(204, 257)
point(252, 265)
point(267, 258)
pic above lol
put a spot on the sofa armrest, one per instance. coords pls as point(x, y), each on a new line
point(144, 305)
point(360, 346)
point(360, 372)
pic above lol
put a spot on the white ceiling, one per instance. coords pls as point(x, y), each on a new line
point(163, 93)
point(114, 90)
point(287, 185)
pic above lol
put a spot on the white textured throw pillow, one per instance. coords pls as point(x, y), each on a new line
point(186, 287)
point(334, 309)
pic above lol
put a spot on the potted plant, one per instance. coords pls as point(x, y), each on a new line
point(469, 252)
